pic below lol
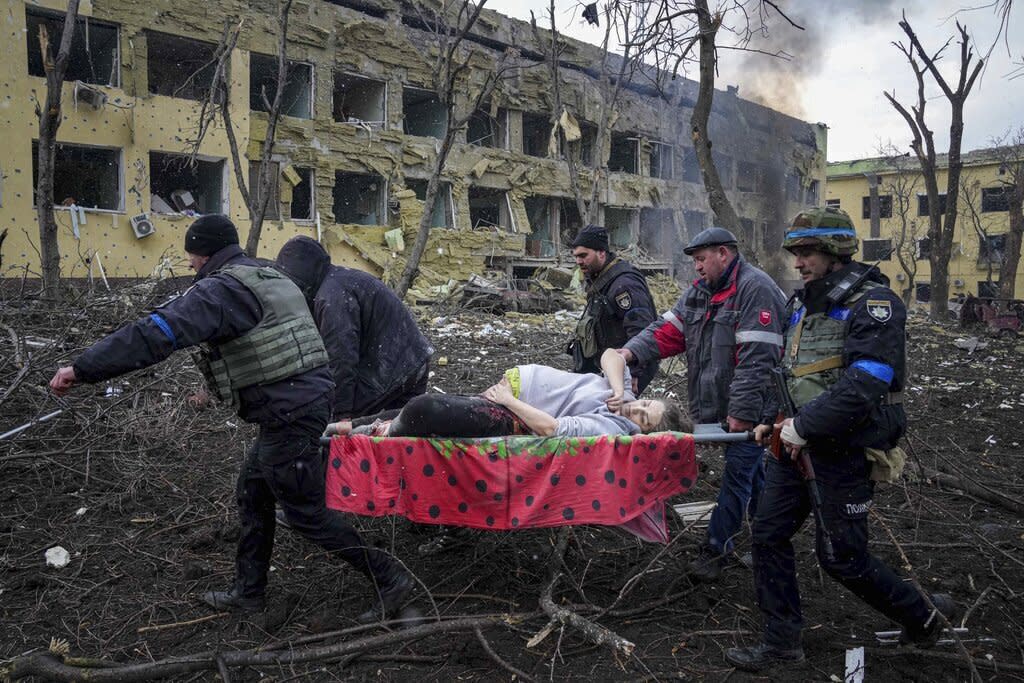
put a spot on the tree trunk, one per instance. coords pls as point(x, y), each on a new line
point(412, 266)
point(50, 116)
point(725, 215)
point(1008, 274)
point(264, 181)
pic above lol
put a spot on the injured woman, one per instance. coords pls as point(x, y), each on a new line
point(532, 399)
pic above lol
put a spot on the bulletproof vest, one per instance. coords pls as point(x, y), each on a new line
point(284, 343)
point(814, 347)
point(598, 328)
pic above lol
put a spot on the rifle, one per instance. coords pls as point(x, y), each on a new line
point(787, 408)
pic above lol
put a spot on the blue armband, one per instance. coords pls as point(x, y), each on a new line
point(165, 328)
point(879, 371)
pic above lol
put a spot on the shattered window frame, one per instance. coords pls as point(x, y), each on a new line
point(922, 292)
point(270, 83)
point(411, 125)
point(658, 247)
point(877, 249)
point(81, 51)
point(923, 248)
point(620, 158)
point(498, 127)
point(549, 205)
point(444, 195)
point(884, 206)
point(381, 210)
point(992, 250)
point(922, 203)
point(337, 108)
point(193, 85)
point(209, 164)
point(506, 218)
point(833, 204)
point(570, 222)
point(662, 154)
point(308, 174)
point(537, 143)
point(996, 199)
point(74, 177)
point(615, 232)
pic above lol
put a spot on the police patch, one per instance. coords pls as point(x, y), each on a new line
point(880, 309)
point(765, 318)
point(624, 301)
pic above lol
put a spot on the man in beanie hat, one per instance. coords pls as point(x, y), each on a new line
point(378, 357)
point(619, 305)
point(261, 353)
point(729, 325)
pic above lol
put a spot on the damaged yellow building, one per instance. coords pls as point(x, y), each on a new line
point(356, 144)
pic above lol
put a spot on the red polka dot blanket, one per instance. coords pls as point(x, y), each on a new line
point(514, 482)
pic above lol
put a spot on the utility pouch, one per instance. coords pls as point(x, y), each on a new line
point(586, 335)
point(886, 465)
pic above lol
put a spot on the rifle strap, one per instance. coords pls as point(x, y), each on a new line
point(822, 365)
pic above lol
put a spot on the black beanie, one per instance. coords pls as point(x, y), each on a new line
point(209, 234)
point(306, 262)
point(592, 237)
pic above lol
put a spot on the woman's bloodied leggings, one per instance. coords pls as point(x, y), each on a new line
point(448, 415)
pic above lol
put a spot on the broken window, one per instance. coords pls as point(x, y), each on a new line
point(694, 222)
point(657, 232)
point(691, 166)
point(924, 248)
point(922, 204)
point(297, 98)
point(660, 158)
point(364, 6)
point(922, 292)
point(488, 208)
point(303, 196)
point(94, 50)
point(621, 224)
point(587, 143)
point(988, 289)
point(812, 193)
point(569, 221)
point(991, 249)
point(359, 199)
point(833, 204)
point(273, 211)
point(884, 206)
point(624, 153)
point(179, 67)
point(723, 164)
point(540, 242)
point(423, 113)
point(441, 216)
point(177, 186)
point(536, 134)
point(485, 130)
point(996, 198)
point(877, 249)
point(748, 176)
point(360, 100)
point(89, 177)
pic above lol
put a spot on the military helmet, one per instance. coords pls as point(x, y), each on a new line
point(712, 237)
point(826, 229)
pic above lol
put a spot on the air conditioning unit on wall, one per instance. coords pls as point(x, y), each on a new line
point(900, 277)
point(958, 282)
point(142, 226)
point(91, 96)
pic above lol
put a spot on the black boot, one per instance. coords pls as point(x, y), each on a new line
point(232, 601)
point(927, 635)
point(759, 657)
point(707, 566)
point(393, 585)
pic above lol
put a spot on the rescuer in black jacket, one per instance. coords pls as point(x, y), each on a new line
point(378, 357)
point(260, 352)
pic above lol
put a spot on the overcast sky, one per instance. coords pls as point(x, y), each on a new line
point(843, 61)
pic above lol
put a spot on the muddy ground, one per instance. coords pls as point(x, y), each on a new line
point(138, 487)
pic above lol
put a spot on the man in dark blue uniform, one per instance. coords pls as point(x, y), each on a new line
point(261, 353)
point(378, 358)
point(619, 305)
point(844, 360)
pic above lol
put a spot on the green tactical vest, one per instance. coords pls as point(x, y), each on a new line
point(814, 348)
point(590, 335)
point(284, 343)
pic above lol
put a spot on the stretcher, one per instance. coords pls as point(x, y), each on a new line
point(518, 482)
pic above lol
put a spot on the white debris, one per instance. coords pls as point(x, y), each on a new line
point(80, 511)
point(57, 557)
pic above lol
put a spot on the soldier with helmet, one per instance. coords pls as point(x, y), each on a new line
point(729, 325)
point(844, 363)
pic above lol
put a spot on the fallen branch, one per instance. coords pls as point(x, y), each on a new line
point(52, 666)
point(190, 622)
point(977, 490)
point(497, 658)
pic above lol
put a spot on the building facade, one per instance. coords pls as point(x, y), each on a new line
point(893, 189)
point(357, 141)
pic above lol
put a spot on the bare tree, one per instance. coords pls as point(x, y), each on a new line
point(50, 115)
point(902, 185)
point(940, 227)
point(257, 192)
point(970, 211)
point(614, 73)
point(451, 77)
point(1011, 157)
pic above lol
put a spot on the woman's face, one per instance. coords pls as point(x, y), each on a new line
point(647, 414)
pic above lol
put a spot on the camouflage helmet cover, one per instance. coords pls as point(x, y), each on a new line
point(826, 229)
